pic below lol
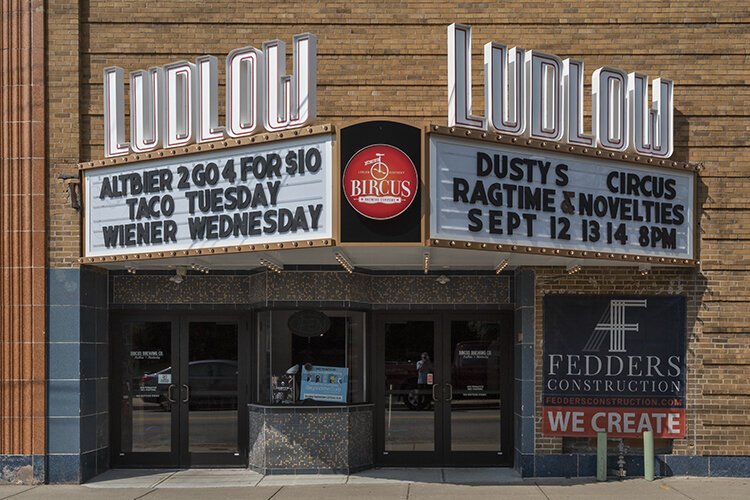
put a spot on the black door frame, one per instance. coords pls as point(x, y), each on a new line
point(180, 455)
point(442, 456)
point(403, 458)
point(484, 458)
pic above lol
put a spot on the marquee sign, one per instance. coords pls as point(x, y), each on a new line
point(177, 105)
point(615, 365)
point(251, 195)
point(498, 194)
point(485, 192)
point(536, 95)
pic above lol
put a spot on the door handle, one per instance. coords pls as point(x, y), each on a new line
point(169, 393)
point(434, 397)
point(187, 393)
point(450, 392)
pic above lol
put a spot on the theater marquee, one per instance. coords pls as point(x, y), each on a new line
point(524, 178)
point(236, 198)
point(558, 203)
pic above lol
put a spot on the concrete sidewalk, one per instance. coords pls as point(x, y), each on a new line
point(411, 484)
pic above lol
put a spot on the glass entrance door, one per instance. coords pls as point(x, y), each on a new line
point(210, 395)
point(145, 391)
point(478, 414)
point(446, 391)
point(409, 406)
point(178, 386)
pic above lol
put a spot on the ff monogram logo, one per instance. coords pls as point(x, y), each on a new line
point(380, 182)
point(613, 323)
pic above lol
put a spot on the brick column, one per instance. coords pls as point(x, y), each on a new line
point(22, 243)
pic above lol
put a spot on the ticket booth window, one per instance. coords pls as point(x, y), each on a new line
point(319, 345)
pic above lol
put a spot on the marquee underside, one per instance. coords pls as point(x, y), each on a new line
point(374, 257)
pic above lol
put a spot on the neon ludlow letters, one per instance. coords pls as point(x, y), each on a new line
point(177, 105)
point(539, 96)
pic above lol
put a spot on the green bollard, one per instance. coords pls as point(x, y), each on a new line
point(601, 456)
point(648, 455)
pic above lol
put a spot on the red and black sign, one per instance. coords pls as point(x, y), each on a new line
point(380, 182)
point(614, 364)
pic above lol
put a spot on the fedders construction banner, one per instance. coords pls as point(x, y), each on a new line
point(614, 364)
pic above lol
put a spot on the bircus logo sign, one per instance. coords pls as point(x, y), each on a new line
point(380, 182)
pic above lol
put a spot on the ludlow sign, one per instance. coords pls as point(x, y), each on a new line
point(480, 191)
point(614, 365)
point(537, 95)
point(177, 105)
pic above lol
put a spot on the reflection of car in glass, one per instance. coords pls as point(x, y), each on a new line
point(212, 382)
point(473, 371)
point(402, 376)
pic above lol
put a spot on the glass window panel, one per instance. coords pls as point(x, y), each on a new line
point(146, 423)
point(409, 377)
point(213, 380)
point(476, 411)
point(263, 374)
point(281, 351)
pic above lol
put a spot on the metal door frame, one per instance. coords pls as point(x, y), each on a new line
point(483, 458)
point(442, 455)
point(404, 458)
point(180, 455)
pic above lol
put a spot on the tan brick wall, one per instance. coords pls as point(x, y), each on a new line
point(63, 127)
point(389, 59)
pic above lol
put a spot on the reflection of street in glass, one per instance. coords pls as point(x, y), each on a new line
point(151, 427)
point(209, 431)
point(213, 431)
point(473, 428)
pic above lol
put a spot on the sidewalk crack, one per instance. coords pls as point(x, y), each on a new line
point(157, 483)
point(275, 493)
point(22, 491)
point(541, 490)
point(675, 489)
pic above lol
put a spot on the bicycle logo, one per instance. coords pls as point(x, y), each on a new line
point(378, 170)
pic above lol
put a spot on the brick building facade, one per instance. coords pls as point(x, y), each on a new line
point(374, 61)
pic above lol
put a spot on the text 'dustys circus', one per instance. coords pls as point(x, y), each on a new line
point(511, 195)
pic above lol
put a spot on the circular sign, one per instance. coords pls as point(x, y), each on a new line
point(380, 182)
point(309, 323)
